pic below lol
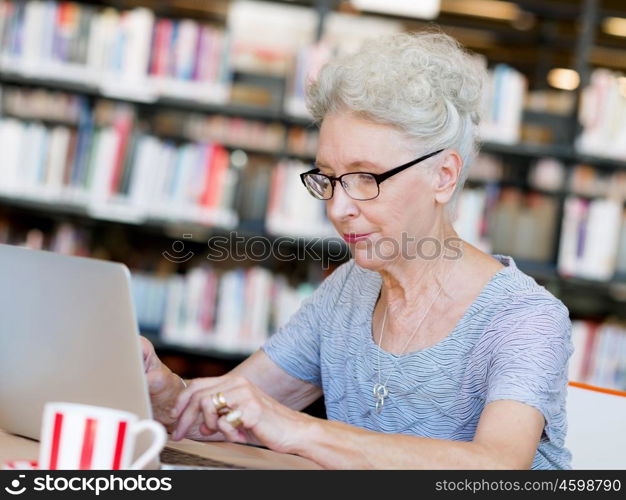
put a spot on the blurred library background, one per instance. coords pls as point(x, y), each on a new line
point(159, 133)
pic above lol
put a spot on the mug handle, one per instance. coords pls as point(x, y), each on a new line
point(160, 438)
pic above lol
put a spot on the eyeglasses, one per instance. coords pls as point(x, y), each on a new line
point(360, 186)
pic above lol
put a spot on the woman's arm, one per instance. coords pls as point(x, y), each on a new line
point(277, 383)
point(507, 437)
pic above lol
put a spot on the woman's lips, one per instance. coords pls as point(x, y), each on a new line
point(353, 238)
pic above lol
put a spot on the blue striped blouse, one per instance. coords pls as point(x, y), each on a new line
point(512, 343)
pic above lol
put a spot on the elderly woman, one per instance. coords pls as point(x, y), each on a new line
point(429, 353)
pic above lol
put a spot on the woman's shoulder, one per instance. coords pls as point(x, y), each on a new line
point(521, 291)
point(520, 302)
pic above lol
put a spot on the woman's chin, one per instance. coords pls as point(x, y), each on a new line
point(365, 259)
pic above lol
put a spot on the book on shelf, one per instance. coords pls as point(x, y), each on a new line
point(253, 189)
point(291, 210)
point(588, 181)
point(602, 114)
point(302, 141)
point(343, 33)
point(243, 307)
point(64, 237)
point(68, 239)
point(265, 36)
point(507, 221)
point(190, 59)
point(552, 101)
point(599, 356)
point(503, 104)
point(114, 171)
point(590, 238)
point(536, 228)
point(149, 295)
point(113, 51)
point(547, 174)
point(305, 67)
point(486, 168)
point(5, 229)
point(39, 104)
point(233, 311)
point(233, 132)
point(620, 264)
point(469, 221)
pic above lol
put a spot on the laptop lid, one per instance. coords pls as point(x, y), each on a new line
point(67, 333)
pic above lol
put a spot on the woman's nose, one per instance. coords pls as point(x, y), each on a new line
point(341, 206)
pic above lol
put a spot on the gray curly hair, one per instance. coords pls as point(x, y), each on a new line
point(423, 83)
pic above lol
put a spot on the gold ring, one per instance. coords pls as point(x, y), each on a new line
point(233, 417)
point(220, 403)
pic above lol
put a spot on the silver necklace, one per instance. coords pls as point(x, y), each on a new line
point(380, 390)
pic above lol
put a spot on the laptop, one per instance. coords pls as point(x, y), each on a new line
point(68, 333)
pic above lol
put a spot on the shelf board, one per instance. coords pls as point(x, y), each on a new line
point(537, 269)
point(561, 152)
point(249, 112)
point(549, 272)
point(600, 162)
point(298, 156)
point(188, 350)
point(179, 103)
point(251, 150)
point(529, 150)
point(56, 207)
point(45, 120)
point(10, 77)
point(516, 184)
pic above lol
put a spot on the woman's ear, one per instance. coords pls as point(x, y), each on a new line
point(447, 174)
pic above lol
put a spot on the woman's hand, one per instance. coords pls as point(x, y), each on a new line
point(263, 419)
point(164, 385)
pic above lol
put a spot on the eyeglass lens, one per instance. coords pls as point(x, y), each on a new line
point(360, 186)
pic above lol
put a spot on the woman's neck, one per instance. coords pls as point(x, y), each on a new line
point(407, 282)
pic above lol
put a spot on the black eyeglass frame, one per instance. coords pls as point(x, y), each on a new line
point(377, 177)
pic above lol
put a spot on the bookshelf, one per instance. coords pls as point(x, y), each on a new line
point(171, 107)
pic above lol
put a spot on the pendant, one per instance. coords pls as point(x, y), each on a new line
point(380, 393)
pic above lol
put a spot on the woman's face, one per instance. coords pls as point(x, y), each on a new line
point(408, 208)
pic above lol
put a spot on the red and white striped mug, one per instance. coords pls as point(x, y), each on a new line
point(77, 437)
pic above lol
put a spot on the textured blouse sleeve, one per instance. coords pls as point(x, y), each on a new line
point(295, 347)
point(531, 349)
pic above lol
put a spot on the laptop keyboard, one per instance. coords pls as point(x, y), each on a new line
point(172, 456)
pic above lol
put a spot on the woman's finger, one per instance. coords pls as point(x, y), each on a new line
point(199, 402)
point(209, 413)
point(233, 434)
point(199, 384)
point(205, 431)
point(189, 414)
point(200, 399)
point(147, 351)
